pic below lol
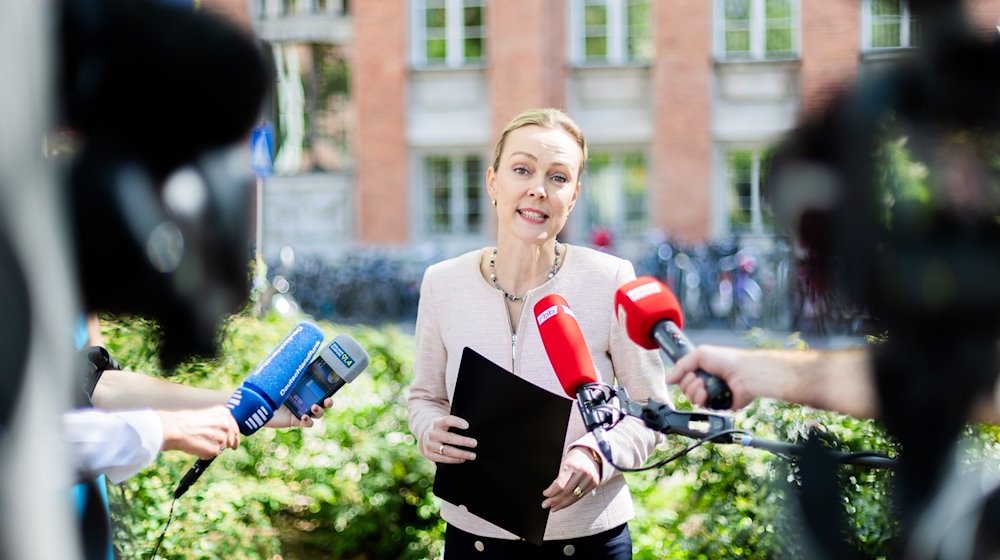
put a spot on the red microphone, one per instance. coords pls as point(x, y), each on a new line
point(652, 317)
point(570, 358)
point(564, 343)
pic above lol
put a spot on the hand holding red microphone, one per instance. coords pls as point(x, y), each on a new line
point(652, 316)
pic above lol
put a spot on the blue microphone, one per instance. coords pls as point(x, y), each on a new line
point(266, 388)
point(270, 383)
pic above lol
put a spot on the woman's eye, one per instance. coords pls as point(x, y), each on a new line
point(560, 178)
point(521, 170)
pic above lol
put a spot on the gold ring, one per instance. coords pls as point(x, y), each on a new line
point(578, 491)
point(441, 449)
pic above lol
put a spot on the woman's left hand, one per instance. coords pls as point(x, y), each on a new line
point(578, 475)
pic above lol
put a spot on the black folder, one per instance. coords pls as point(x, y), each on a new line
point(520, 429)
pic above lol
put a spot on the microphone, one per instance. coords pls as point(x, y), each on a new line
point(265, 389)
point(570, 358)
point(652, 317)
point(567, 351)
point(336, 365)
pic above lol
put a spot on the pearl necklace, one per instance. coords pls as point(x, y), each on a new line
point(508, 295)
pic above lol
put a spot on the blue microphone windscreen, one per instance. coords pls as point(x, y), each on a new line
point(250, 409)
point(275, 376)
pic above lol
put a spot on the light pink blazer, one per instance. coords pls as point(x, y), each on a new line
point(459, 308)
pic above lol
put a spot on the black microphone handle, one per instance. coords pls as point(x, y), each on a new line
point(589, 397)
point(672, 340)
point(192, 475)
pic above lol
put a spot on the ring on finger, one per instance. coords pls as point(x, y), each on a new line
point(578, 491)
point(441, 449)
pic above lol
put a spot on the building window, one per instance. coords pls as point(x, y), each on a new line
point(455, 187)
point(888, 24)
point(746, 176)
point(335, 7)
point(611, 31)
point(756, 29)
point(614, 192)
point(448, 33)
point(312, 110)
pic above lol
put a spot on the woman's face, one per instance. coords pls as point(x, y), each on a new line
point(536, 183)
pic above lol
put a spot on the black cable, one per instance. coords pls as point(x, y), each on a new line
point(841, 457)
point(679, 454)
point(159, 540)
point(844, 456)
point(874, 459)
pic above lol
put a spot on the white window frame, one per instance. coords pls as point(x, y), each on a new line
point(904, 28)
point(616, 33)
point(756, 226)
point(758, 32)
point(458, 207)
point(454, 35)
point(618, 200)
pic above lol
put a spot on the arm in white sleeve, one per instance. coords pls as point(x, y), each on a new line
point(118, 444)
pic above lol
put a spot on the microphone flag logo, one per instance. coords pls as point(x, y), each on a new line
point(547, 314)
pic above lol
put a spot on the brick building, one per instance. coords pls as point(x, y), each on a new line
point(680, 101)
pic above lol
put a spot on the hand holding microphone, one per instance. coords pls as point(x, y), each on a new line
point(265, 389)
point(338, 364)
point(653, 319)
point(748, 372)
point(203, 433)
point(283, 378)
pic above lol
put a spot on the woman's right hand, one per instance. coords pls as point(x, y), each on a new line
point(439, 443)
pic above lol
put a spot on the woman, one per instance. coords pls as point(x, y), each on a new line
point(479, 300)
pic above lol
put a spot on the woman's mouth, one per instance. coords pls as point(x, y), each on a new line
point(532, 215)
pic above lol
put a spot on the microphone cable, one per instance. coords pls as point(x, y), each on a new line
point(841, 457)
point(159, 540)
point(679, 454)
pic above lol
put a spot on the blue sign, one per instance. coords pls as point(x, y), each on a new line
point(262, 149)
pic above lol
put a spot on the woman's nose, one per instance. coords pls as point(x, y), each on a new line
point(537, 188)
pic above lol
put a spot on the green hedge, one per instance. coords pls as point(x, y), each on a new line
point(354, 487)
point(724, 501)
point(351, 487)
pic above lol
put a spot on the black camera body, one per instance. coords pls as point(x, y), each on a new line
point(161, 193)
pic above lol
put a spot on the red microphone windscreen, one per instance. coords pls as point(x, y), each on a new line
point(564, 343)
point(641, 304)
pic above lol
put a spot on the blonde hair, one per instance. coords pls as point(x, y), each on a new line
point(546, 117)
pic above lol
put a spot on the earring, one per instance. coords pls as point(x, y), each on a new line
point(494, 201)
